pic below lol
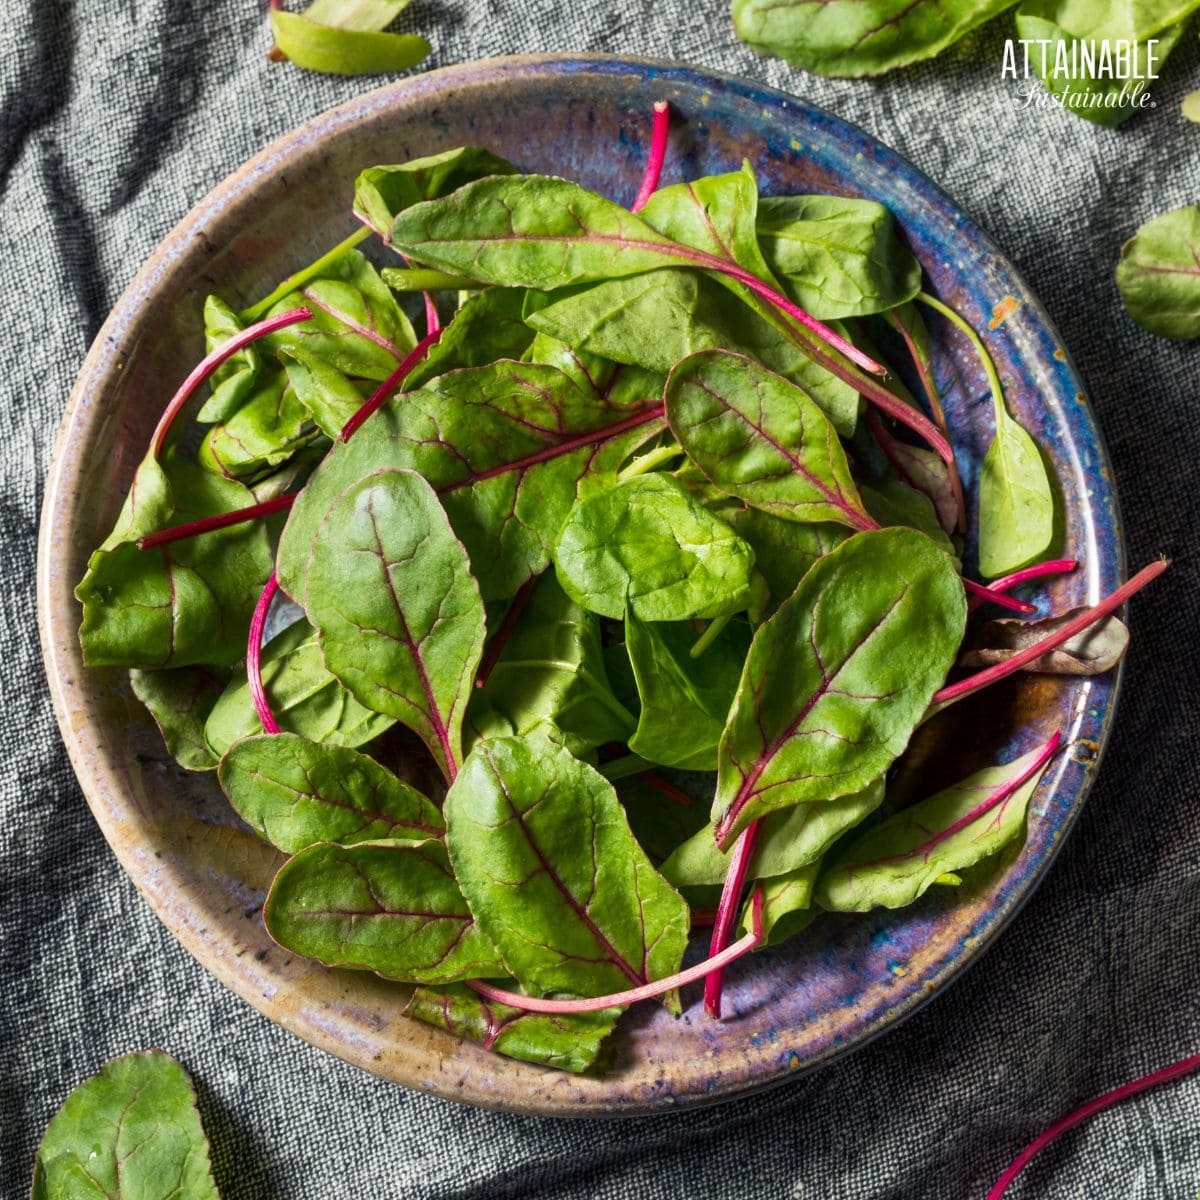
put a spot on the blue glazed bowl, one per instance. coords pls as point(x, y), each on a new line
point(846, 979)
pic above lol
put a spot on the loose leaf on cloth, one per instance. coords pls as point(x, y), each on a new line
point(567, 1042)
point(293, 792)
point(550, 678)
point(684, 700)
point(655, 319)
point(840, 676)
point(382, 193)
point(130, 1131)
point(1096, 650)
point(858, 37)
point(1074, 45)
point(1159, 274)
point(647, 545)
point(180, 702)
point(761, 438)
point(347, 51)
point(786, 841)
point(507, 447)
point(305, 698)
point(544, 854)
point(392, 907)
point(835, 256)
point(181, 604)
point(396, 608)
point(898, 860)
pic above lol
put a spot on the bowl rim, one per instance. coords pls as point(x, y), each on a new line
point(57, 612)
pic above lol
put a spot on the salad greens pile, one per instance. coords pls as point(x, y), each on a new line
point(615, 532)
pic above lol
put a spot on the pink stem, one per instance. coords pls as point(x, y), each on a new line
point(389, 385)
point(985, 595)
point(1059, 566)
point(658, 152)
point(990, 675)
point(496, 646)
point(668, 789)
point(646, 992)
point(211, 362)
point(254, 656)
point(433, 322)
point(220, 521)
point(1186, 1067)
point(727, 910)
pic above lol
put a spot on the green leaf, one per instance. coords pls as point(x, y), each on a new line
point(357, 326)
point(487, 327)
point(787, 840)
point(787, 904)
point(327, 395)
point(233, 381)
point(647, 545)
point(293, 792)
point(1191, 107)
point(836, 256)
point(762, 439)
point(382, 193)
point(265, 432)
point(1067, 33)
point(553, 874)
point(569, 1042)
point(180, 702)
point(396, 608)
point(1159, 274)
point(840, 676)
point(1093, 652)
point(186, 603)
point(783, 550)
point(684, 701)
point(507, 447)
point(1016, 505)
point(344, 51)
point(392, 907)
point(892, 502)
point(902, 857)
point(858, 37)
point(130, 1131)
point(355, 14)
point(305, 698)
point(533, 231)
point(550, 678)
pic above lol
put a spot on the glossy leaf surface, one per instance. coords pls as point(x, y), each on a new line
point(553, 874)
point(293, 792)
point(180, 702)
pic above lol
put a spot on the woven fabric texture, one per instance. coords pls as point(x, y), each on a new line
point(115, 116)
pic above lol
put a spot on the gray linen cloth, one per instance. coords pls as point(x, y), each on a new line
point(115, 116)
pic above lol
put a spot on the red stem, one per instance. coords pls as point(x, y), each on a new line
point(990, 675)
point(220, 521)
point(658, 152)
point(1058, 566)
point(887, 444)
point(1186, 1067)
point(646, 992)
point(979, 594)
point(668, 789)
point(211, 362)
point(433, 322)
point(727, 910)
point(254, 656)
point(389, 385)
point(496, 646)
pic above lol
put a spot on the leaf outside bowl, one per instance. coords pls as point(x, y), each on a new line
point(846, 979)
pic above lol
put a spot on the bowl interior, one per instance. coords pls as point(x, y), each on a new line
point(846, 979)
